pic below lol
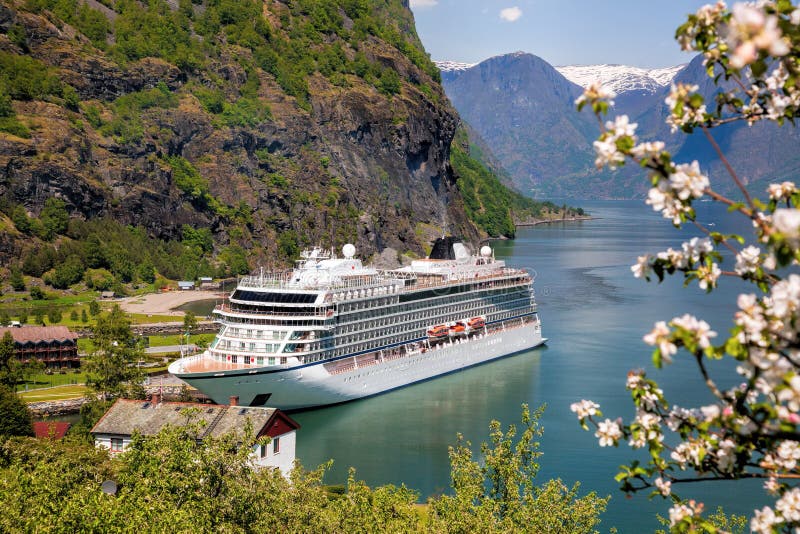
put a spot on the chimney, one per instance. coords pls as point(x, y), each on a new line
point(234, 401)
point(155, 399)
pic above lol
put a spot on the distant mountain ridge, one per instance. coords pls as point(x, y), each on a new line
point(524, 109)
point(621, 78)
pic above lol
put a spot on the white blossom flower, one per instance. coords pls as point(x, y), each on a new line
point(696, 248)
point(771, 486)
point(764, 520)
point(710, 412)
point(664, 486)
point(751, 30)
point(678, 513)
point(584, 408)
point(607, 153)
point(701, 329)
point(789, 505)
point(642, 267)
point(609, 433)
point(687, 181)
point(648, 149)
point(634, 380)
point(747, 260)
point(594, 92)
point(787, 222)
point(791, 394)
point(788, 453)
point(678, 416)
point(785, 297)
point(781, 191)
point(707, 275)
point(689, 452)
point(726, 455)
point(795, 17)
point(660, 336)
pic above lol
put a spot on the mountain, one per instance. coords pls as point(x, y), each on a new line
point(621, 78)
point(218, 134)
point(524, 110)
point(520, 105)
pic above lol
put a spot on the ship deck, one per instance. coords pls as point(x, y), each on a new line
point(206, 364)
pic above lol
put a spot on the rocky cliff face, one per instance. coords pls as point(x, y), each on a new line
point(357, 154)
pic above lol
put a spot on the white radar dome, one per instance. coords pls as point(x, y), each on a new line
point(486, 251)
point(349, 250)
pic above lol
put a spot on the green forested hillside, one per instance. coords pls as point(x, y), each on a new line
point(494, 207)
point(211, 136)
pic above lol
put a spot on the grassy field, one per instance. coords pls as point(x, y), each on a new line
point(41, 380)
point(53, 394)
point(177, 339)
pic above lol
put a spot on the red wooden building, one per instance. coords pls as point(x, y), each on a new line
point(55, 346)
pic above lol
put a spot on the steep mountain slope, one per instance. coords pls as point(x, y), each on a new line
point(521, 105)
point(275, 124)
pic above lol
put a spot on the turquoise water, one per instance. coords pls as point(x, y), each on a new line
point(595, 314)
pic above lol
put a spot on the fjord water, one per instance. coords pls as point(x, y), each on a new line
point(594, 313)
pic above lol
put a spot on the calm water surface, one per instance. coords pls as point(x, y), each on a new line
point(594, 313)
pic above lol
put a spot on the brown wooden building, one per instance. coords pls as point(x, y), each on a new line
point(55, 346)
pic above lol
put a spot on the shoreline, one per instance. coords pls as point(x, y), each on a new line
point(537, 222)
point(165, 303)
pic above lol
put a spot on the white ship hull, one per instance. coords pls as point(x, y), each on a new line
point(313, 385)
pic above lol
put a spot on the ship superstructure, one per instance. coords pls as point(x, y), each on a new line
point(333, 330)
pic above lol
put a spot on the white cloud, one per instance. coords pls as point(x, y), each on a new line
point(423, 3)
point(510, 14)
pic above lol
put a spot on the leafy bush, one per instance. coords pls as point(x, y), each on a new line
point(26, 78)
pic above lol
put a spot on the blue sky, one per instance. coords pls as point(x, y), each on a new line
point(563, 32)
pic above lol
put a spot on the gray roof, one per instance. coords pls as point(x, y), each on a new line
point(127, 416)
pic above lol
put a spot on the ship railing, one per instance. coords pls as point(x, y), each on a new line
point(319, 313)
point(181, 363)
point(283, 280)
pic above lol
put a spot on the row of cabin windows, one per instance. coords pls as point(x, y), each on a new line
point(430, 306)
point(253, 334)
point(400, 325)
point(412, 305)
point(409, 332)
point(476, 307)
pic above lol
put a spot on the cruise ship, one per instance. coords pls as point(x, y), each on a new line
point(333, 330)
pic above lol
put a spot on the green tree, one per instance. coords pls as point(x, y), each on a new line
point(111, 367)
point(19, 216)
point(23, 317)
point(94, 308)
point(16, 279)
point(747, 428)
point(37, 293)
point(73, 315)
point(54, 218)
point(5, 319)
point(189, 322)
point(54, 315)
point(10, 366)
point(84, 318)
point(15, 419)
point(496, 493)
point(38, 315)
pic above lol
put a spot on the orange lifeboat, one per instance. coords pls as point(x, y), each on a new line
point(458, 329)
point(476, 323)
point(437, 332)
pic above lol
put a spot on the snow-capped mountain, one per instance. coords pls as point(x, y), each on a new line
point(621, 78)
point(453, 66)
